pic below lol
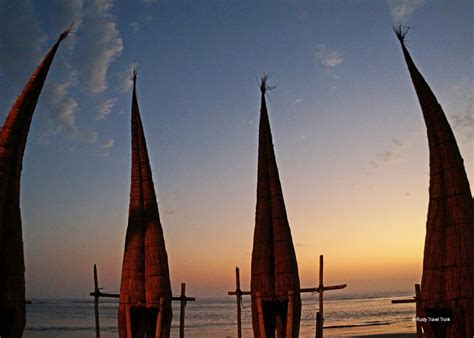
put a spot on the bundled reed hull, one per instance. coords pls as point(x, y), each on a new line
point(447, 285)
point(13, 137)
point(145, 272)
point(274, 266)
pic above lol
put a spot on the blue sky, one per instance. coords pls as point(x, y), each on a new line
point(348, 131)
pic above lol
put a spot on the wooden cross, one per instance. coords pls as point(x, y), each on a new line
point(416, 300)
point(183, 299)
point(238, 293)
point(98, 294)
point(320, 289)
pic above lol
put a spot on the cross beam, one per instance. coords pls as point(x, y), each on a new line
point(320, 290)
point(182, 298)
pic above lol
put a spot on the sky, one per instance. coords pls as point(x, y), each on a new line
point(349, 136)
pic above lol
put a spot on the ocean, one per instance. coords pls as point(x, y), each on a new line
point(346, 315)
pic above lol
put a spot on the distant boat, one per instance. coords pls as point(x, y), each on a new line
point(145, 290)
point(13, 137)
point(447, 285)
point(275, 285)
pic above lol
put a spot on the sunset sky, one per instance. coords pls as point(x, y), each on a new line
point(348, 131)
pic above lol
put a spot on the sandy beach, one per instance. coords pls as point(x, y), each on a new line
point(389, 335)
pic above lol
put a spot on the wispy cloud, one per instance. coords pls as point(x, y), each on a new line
point(400, 10)
point(460, 110)
point(59, 101)
point(105, 108)
point(99, 46)
point(391, 155)
point(90, 136)
point(106, 146)
point(83, 61)
point(464, 123)
point(109, 143)
point(102, 6)
point(134, 26)
point(57, 98)
point(328, 57)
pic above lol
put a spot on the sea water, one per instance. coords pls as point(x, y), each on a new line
point(345, 315)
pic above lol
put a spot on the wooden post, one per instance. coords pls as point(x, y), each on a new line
point(183, 306)
point(289, 315)
point(261, 322)
point(318, 325)
point(321, 291)
point(238, 296)
point(321, 286)
point(159, 318)
point(128, 317)
point(96, 303)
point(419, 334)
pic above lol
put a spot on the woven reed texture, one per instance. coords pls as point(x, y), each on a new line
point(145, 272)
point(447, 286)
point(13, 137)
point(274, 266)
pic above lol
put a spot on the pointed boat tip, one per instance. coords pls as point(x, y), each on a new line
point(264, 87)
point(133, 75)
point(66, 33)
point(401, 32)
